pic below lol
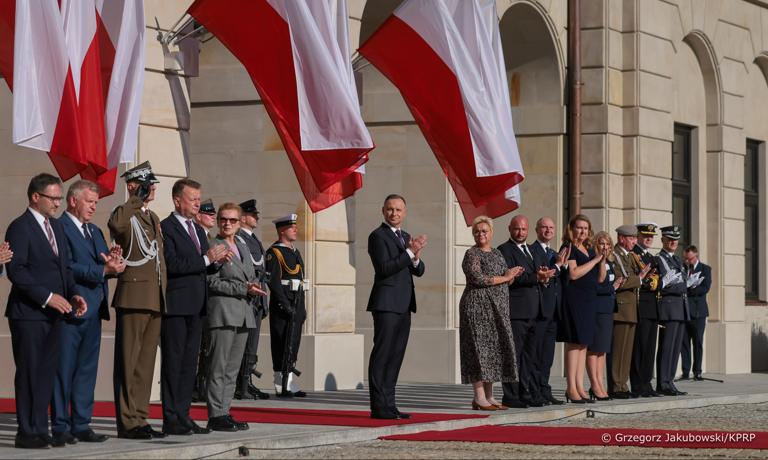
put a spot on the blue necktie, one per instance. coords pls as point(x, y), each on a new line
point(400, 237)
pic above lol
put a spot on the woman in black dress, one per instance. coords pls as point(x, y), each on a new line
point(585, 271)
point(606, 302)
point(486, 347)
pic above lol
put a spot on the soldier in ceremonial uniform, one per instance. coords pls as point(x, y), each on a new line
point(673, 311)
point(249, 220)
point(139, 302)
point(206, 217)
point(643, 352)
point(285, 270)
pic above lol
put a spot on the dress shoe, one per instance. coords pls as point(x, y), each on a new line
point(554, 401)
point(534, 402)
point(89, 436)
point(221, 423)
point(514, 404)
point(241, 395)
point(62, 439)
point(402, 415)
point(134, 433)
point(176, 429)
point(241, 426)
point(678, 392)
point(575, 401)
point(698, 377)
point(476, 406)
point(152, 432)
point(620, 395)
point(684, 377)
point(32, 441)
point(667, 391)
point(385, 415)
point(256, 393)
point(196, 429)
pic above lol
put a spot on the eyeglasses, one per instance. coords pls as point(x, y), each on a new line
point(481, 232)
point(231, 220)
point(52, 198)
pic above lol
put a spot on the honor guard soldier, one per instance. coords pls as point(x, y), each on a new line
point(643, 352)
point(206, 218)
point(285, 270)
point(673, 310)
point(139, 301)
point(249, 221)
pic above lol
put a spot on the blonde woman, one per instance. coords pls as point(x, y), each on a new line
point(606, 303)
point(487, 349)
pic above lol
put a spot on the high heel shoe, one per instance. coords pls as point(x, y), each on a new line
point(575, 401)
point(594, 397)
point(499, 406)
point(476, 406)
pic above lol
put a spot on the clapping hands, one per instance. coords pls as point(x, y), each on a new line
point(544, 273)
point(114, 262)
point(417, 244)
point(219, 254)
point(512, 273)
point(563, 256)
point(5, 253)
point(254, 289)
point(618, 282)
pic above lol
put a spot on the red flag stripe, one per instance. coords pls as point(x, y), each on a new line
point(7, 21)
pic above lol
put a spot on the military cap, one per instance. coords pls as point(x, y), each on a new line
point(646, 229)
point(207, 207)
point(249, 207)
point(626, 230)
point(140, 173)
point(671, 231)
point(285, 221)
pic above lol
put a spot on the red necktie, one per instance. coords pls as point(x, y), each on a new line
point(191, 231)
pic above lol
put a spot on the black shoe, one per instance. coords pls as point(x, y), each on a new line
point(385, 415)
point(678, 392)
point(89, 436)
point(221, 423)
point(32, 441)
point(241, 426)
point(514, 404)
point(594, 397)
point(698, 377)
point(534, 402)
point(243, 395)
point(575, 401)
point(152, 432)
point(684, 377)
point(667, 391)
point(176, 429)
point(62, 439)
point(402, 415)
point(134, 433)
point(620, 395)
point(299, 394)
point(196, 429)
point(554, 401)
point(256, 393)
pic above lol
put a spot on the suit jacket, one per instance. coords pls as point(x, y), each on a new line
point(524, 294)
point(36, 271)
point(673, 305)
point(187, 289)
point(626, 295)
point(228, 302)
point(141, 287)
point(393, 288)
point(257, 258)
point(697, 297)
point(551, 293)
point(88, 266)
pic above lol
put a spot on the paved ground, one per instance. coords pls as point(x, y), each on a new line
point(739, 404)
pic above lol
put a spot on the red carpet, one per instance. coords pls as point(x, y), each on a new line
point(575, 436)
point(277, 415)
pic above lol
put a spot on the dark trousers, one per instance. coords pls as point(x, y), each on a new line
point(76, 375)
point(694, 332)
point(670, 340)
point(545, 335)
point(643, 355)
point(180, 344)
point(279, 323)
point(390, 338)
point(36, 354)
point(524, 335)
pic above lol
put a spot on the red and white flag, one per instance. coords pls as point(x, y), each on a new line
point(462, 106)
point(297, 55)
point(76, 95)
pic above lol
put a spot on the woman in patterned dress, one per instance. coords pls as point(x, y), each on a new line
point(485, 334)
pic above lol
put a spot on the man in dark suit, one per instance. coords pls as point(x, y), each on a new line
point(699, 283)
point(249, 221)
point(396, 259)
point(189, 260)
point(643, 351)
point(92, 263)
point(551, 297)
point(206, 218)
point(673, 311)
point(43, 292)
point(525, 306)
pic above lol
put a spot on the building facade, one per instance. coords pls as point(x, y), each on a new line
point(674, 130)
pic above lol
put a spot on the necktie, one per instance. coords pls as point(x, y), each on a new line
point(400, 237)
point(51, 239)
point(86, 232)
point(524, 248)
point(191, 231)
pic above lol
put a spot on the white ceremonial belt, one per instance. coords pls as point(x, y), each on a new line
point(296, 285)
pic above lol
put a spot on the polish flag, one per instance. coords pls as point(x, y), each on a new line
point(7, 20)
point(297, 55)
point(445, 57)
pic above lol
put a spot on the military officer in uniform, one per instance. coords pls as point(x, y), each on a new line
point(673, 311)
point(139, 302)
point(285, 270)
point(206, 218)
point(643, 352)
point(249, 220)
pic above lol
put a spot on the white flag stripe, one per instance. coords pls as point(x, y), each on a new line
point(329, 111)
point(465, 35)
point(39, 72)
point(79, 18)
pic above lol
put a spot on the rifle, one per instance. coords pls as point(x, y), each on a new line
point(289, 365)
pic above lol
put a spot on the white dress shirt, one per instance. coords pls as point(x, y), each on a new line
point(41, 222)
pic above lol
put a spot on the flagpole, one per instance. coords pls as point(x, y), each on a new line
point(574, 106)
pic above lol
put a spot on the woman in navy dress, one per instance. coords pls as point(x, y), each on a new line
point(605, 305)
point(584, 274)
